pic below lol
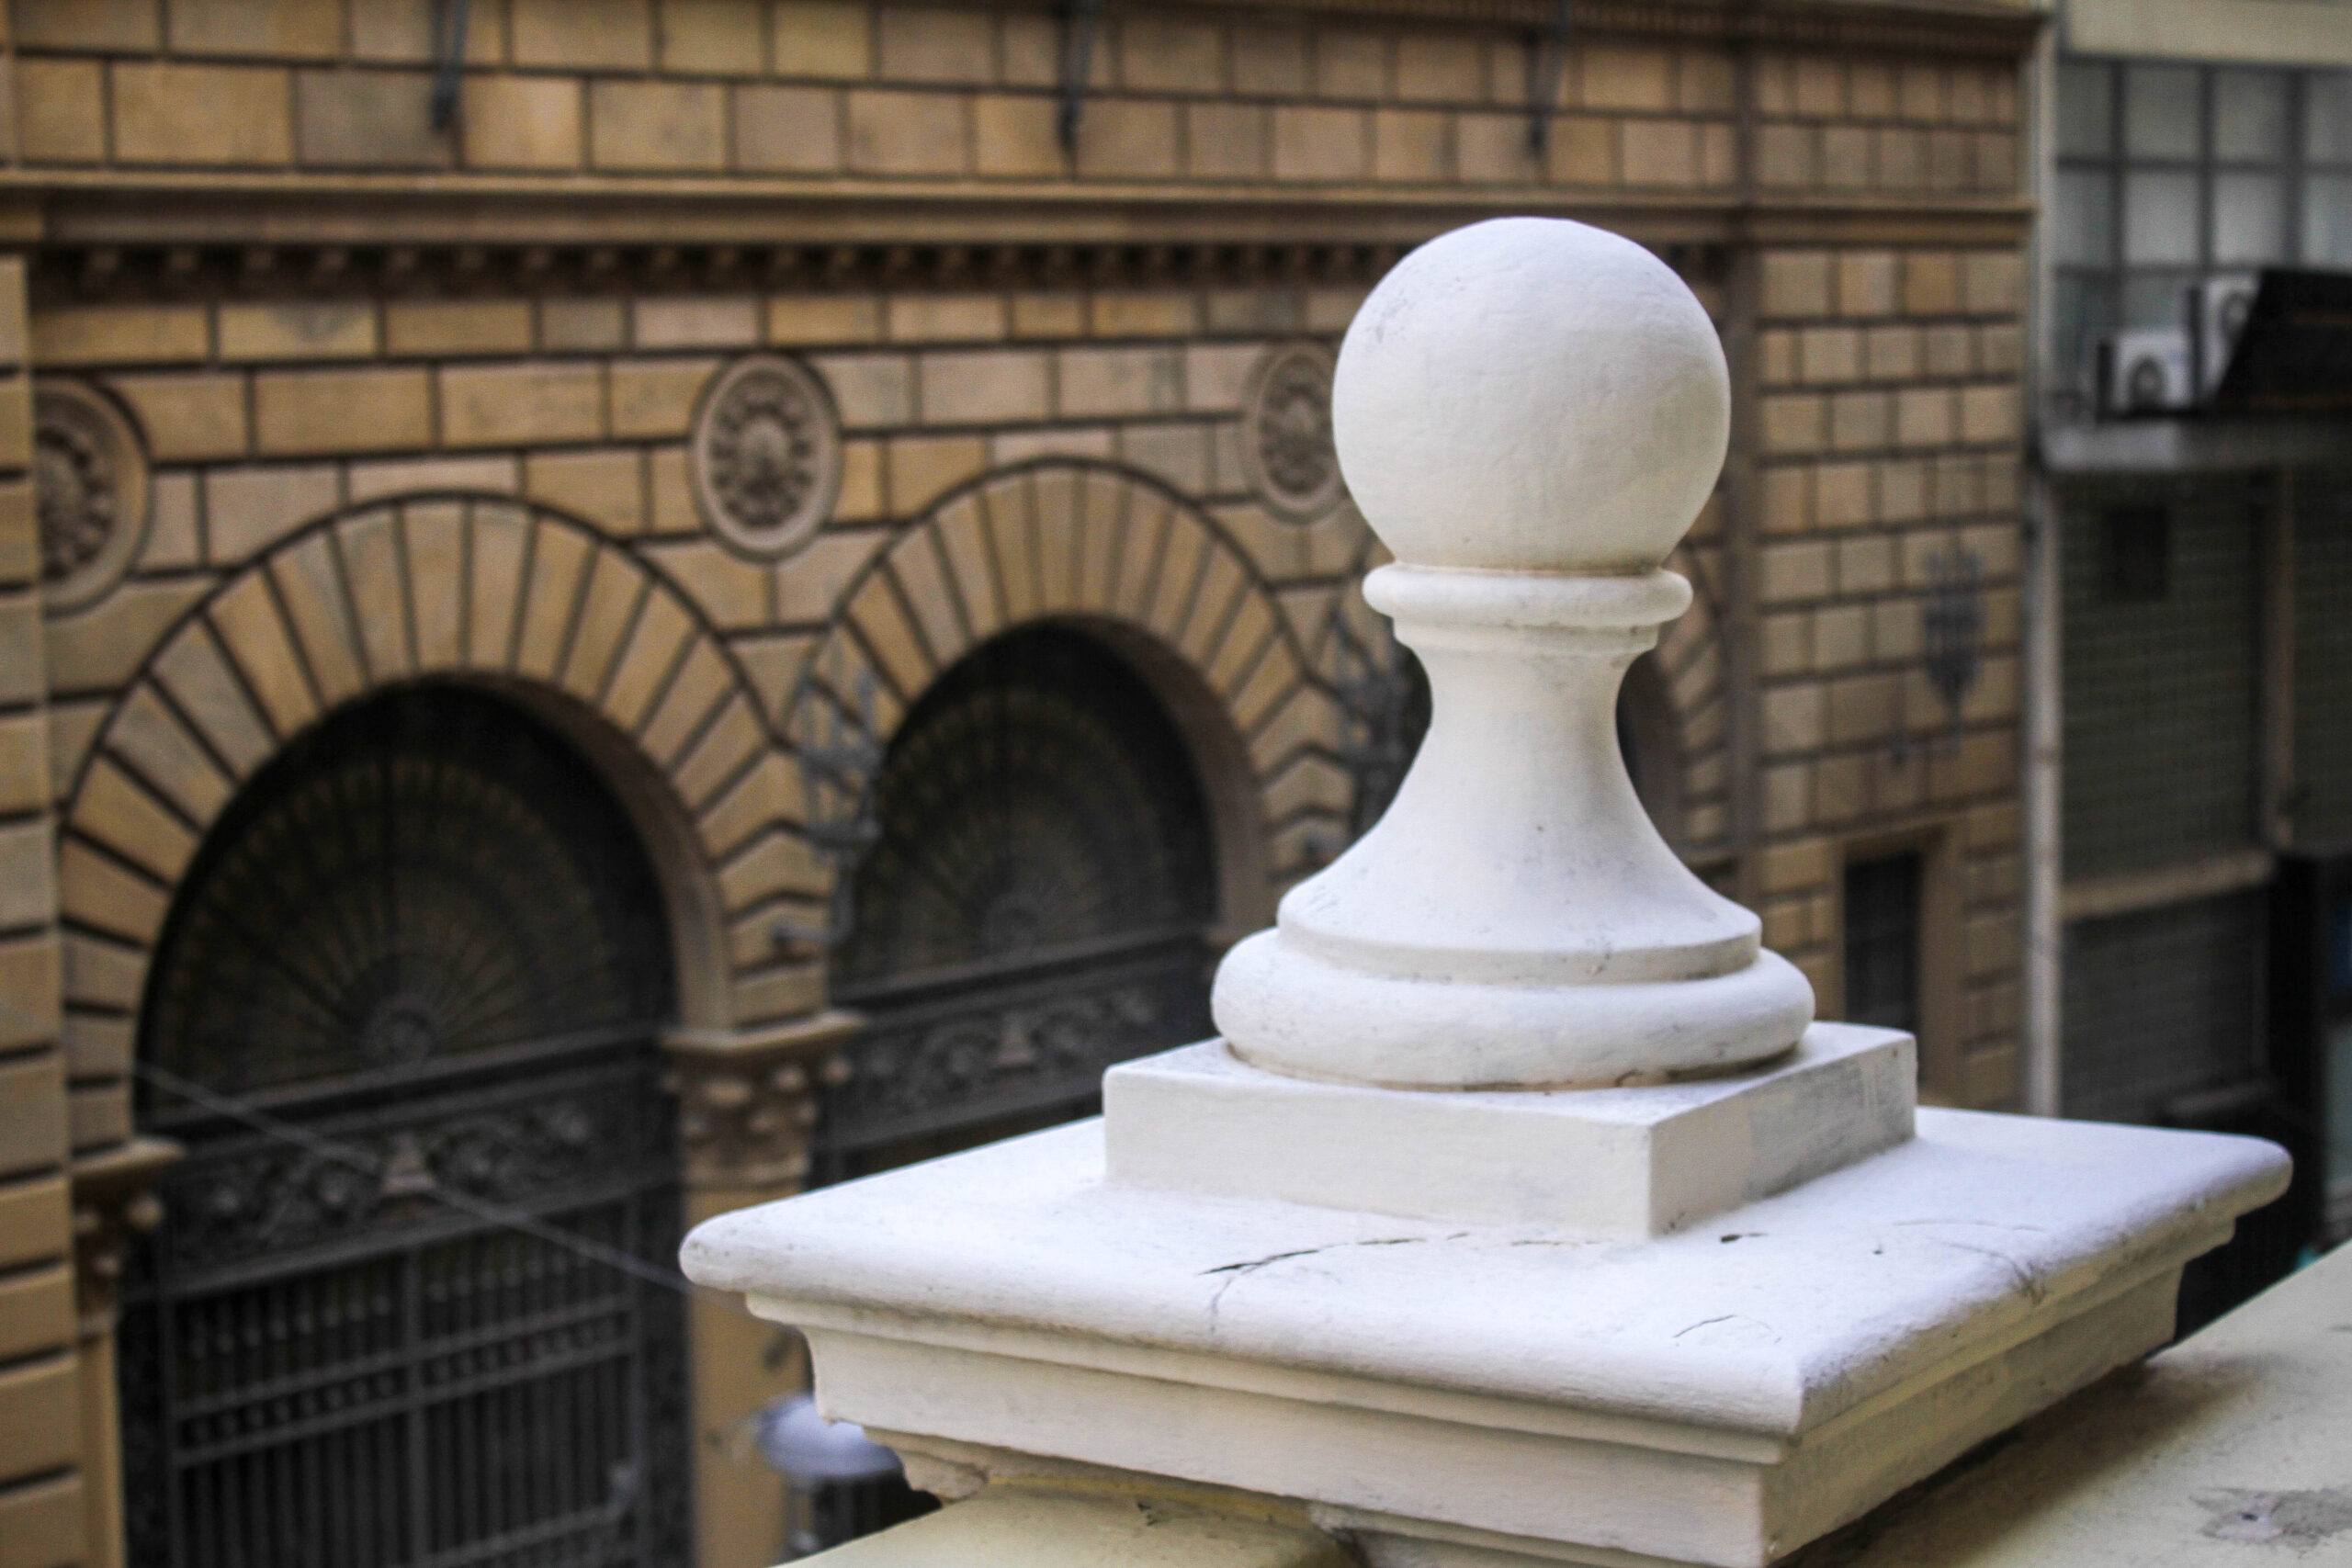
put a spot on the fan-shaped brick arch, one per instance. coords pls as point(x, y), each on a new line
point(478, 588)
point(1090, 543)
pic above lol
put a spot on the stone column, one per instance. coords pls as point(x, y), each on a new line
point(1522, 1213)
point(112, 1203)
point(746, 1105)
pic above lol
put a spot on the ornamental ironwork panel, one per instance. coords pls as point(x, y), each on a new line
point(417, 973)
point(1033, 909)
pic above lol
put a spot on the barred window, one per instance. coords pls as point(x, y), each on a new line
point(1882, 942)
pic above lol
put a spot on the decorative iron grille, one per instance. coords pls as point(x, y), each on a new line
point(2322, 802)
point(1033, 910)
point(425, 936)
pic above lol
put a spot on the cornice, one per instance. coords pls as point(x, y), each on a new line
point(1983, 28)
point(1995, 30)
point(167, 238)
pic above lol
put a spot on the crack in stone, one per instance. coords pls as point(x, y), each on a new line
point(2026, 1281)
point(1251, 1266)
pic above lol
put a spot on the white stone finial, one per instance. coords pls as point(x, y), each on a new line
point(1531, 394)
point(1531, 412)
point(1490, 1327)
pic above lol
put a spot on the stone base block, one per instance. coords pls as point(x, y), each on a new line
point(1459, 1394)
point(1606, 1162)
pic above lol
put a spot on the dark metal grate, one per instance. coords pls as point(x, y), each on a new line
point(2161, 1004)
point(2322, 804)
point(2160, 691)
point(425, 934)
point(1034, 910)
point(1882, 942)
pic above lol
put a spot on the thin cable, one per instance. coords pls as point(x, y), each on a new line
point(481, 1209)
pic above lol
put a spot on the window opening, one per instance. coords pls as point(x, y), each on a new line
point(1882, 942)
point(2135, 555)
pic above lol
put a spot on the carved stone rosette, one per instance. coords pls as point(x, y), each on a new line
point(1286, 432)
point(90, 493)
point(747, 1099)
point(113, 1201)
point(766, 455)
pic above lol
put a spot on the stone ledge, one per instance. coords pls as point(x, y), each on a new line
point(1715, 1396)
point(1020, 1525)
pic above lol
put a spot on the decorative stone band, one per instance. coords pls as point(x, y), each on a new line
point(1439, 604)
point(747, 1099)
point(113, 1201)
point(1294, 1013)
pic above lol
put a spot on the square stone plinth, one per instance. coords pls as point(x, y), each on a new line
point(1448, 1390)
point(1606, 1162)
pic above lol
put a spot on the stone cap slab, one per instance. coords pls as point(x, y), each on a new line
point(1771, 1320)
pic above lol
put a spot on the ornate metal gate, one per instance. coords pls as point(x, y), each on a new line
point(1034, 910)
point(426, 938)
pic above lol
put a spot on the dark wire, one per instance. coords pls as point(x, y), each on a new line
point(464, 1203)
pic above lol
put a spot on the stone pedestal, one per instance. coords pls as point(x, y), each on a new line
point(1717, 1395)
point(1522, 1214)
point(1603, 1163)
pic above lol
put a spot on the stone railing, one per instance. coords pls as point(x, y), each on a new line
point(1522, 1213)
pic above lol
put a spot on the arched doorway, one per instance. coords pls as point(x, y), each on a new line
point(403, 1018)
point(1034, 909)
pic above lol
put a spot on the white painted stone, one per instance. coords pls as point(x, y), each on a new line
point(1047, 1527)
point(1606, 1162)
point(1531, 395)
point(1530, 414)
point(2234, 1451)
point(1714, 1397)
point(1367, 1264)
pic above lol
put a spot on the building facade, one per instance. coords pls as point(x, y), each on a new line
point(2192, 695)
point(661, 601)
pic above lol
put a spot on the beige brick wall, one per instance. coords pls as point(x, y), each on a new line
point(41, 1493)
point(1888, 431)
point(1885, 434)
point(264, 419)
point(811, 91)
point(276, 392)
point(1828, 124)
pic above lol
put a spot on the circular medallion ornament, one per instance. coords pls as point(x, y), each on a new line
point(1286, 432)
point(90, 493)
point(767, 454)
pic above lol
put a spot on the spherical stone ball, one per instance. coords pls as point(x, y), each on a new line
point(1532, 393)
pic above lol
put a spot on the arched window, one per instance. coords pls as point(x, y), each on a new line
point(422, 956)
point(1034, 909)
